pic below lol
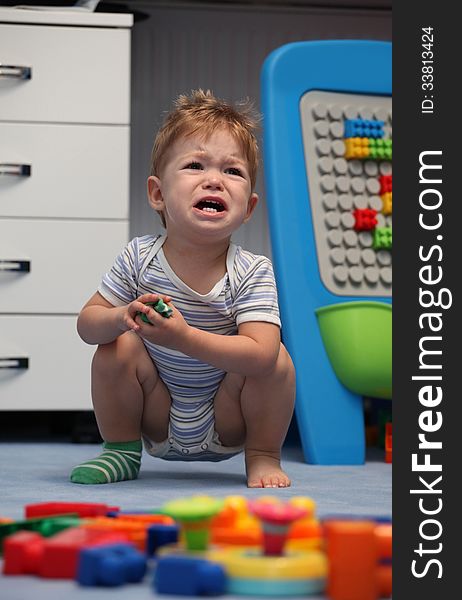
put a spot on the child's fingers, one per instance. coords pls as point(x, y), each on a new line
point(154, 298)
point(148, 298)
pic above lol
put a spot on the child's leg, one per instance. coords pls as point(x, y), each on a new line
point(128, 398)
point(259, 410)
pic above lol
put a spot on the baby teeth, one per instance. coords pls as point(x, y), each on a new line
point(210, 209)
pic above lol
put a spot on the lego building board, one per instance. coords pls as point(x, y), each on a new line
point(343, 188)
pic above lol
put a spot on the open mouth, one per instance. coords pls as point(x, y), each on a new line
point(210, 206)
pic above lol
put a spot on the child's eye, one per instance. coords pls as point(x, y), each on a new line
point(193, 165)
point(234, 171)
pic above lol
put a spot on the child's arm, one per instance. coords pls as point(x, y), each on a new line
point(253, 351)
point(100, 322)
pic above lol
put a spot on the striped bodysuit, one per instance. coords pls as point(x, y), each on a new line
point(247, 292)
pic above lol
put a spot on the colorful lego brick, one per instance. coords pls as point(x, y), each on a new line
point(188, 576)
point(163, 309)
point(365, 219)
point(82, 509)
point(388, 443)
point(386, 184)
point(22, 552)
point(46, 526)
point(61, 552)
point(357, 148)
point(387, 203)
point(382, 238)
point(352, 553)
point(161, 535)
point(380, 149)
point(363, 128)
point(110, 565)
point(134, 530)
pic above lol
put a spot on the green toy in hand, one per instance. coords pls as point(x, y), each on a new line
point(160, 307)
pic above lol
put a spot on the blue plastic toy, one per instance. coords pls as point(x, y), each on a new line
point(188, 576)
point(110, 565)
point(330, 416)
point(160, 535)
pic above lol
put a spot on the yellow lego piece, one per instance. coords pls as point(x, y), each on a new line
point(356, 147)
point(387, 203)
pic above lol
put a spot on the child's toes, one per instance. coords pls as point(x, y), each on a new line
point(255, 483)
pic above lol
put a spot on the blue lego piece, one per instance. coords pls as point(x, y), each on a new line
point(188, 576)
point(110, 565)
point(160, 535)
point(363, 128)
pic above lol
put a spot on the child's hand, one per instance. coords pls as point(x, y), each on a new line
point(170, 332)
point(129, 313)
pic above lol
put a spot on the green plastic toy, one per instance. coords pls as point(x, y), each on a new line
point(163, 309)
point(194, 514)
point(357, 337)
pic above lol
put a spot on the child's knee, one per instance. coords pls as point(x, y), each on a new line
point(284, 367)
point(121, 354)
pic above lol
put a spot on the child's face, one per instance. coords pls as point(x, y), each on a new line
point(204, 189)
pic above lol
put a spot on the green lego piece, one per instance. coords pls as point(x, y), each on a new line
point(46, 526)
point(383, 238)
point(380, 149)
point(163, 309)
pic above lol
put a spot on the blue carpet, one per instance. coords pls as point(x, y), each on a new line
point(38, 472)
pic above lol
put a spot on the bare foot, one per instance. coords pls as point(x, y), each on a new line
point(264, 471)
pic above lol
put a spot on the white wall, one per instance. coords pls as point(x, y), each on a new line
point(221, 47)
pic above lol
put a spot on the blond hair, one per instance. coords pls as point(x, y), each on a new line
point(201, 112)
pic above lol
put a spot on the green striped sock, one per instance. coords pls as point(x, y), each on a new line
point(119, 461)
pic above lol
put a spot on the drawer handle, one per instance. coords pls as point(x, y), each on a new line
point(14, 363)
point(15, 169)
point(15, 71)
point(22, 266)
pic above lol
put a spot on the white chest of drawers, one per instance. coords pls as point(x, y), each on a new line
point(64, 193)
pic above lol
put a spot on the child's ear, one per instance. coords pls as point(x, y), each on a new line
point(155, 197)
point(251, 205)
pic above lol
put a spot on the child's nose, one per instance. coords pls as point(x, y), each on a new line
point(213, 181)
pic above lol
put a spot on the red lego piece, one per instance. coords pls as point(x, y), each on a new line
point(61, 552)
point(386, 184)
point(27, 552)
point(82, 509)
point(22, 553)
point(365, 219)
point(352, 550)
point(388, 442)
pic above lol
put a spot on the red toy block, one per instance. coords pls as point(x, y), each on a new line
point(365, 219)
point(388, 442)
point(352, 551)
point(82, 509)
point(61, 552)
point(22, 553)
point(386, 184)
point(27, 552)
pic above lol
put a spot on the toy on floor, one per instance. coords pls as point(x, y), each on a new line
point(163, 309)
point(111, 565)
point(206, 546)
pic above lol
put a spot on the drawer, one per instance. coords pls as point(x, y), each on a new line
point(76, 74)
point(64, 170)
point(49, 365)
point(55, 266)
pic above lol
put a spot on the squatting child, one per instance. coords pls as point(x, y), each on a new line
point(213, 379)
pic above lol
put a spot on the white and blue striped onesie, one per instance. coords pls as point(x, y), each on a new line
point(247, 292)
